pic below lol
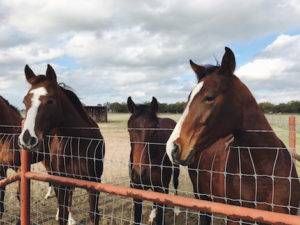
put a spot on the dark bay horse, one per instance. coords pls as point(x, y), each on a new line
point(150, 167)
point(10, 122)
point(232, 152)
point(57, 126)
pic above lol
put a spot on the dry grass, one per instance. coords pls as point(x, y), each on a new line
point(115, 210)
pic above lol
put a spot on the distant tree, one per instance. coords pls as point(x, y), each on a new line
point(118, 107)
point(267, 107)
point(289, 107)
point(178, 107)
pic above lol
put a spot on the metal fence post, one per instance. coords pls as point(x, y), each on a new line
point(25, 188)
point(292, 133)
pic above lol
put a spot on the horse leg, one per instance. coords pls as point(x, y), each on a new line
point(48, 194)
point(94, 210)
point(71, 220)
point(62, 194)
point(176, 172)
point(2, 191)
point(205, 219)
point(19, 199)
point(152, 213)
point(160, 209)
point(2, 195)
point(138, 210)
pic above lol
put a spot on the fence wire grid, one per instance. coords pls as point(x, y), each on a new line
point(118, 170)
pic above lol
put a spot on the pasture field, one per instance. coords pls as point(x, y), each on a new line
point(116, 210)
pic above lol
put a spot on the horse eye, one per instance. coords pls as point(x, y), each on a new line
point(209, 98)
point(50, 102)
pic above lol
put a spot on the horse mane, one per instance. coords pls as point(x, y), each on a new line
point(76, 102)
point(9, 105)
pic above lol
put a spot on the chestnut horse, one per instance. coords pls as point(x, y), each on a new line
point(10, 122)
point(57, 126)
point(150, 167)
point(232, 152)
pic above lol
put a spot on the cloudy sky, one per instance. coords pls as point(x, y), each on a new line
point(107, 50)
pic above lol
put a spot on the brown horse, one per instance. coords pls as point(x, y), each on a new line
point(10, 121)
point(232, 152)
point(10, 128)
point(150, 167)
point(57, 126)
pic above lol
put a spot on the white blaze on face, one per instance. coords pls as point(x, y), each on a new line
point(176, 132)
point(29, 123)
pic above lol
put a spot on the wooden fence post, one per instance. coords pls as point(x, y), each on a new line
point(292, 133)
point(25, 188)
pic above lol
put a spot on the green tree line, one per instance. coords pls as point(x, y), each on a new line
point(178, 107)
point(289, 107)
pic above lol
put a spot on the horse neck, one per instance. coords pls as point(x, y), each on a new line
point(8, 117)
point(255, 129)
point(71, 118)
point(157, 149)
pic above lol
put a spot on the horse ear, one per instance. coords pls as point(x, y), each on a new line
point(199, 70)
point(228, 62)
point(50, 73)
point(154, 105)
point(29, 74)
point(131, 105)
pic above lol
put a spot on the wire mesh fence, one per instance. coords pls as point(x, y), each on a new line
point(80, 162)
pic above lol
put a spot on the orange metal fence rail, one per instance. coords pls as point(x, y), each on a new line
point(25, 188)
point(9, 180)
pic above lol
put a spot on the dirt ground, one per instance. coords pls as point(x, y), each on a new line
point(114, 210)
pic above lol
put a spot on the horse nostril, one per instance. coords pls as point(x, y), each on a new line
point(33, 141)
point(175, 151)
point(29, 141)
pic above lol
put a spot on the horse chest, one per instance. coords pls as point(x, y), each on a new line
point(6, 153)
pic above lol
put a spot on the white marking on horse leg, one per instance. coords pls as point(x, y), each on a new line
point(177, 210)
point(176, 132)
point(298, 210)
point(29, 122)
point(71, 220)
point(57, 214)
point(152, 215)
point(48, 194)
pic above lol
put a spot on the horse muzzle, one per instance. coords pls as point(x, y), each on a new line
point(176, 152)
point(27, 141)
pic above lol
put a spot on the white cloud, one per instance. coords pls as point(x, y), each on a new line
point(142, 47)
point(42, 17)
point(263, 69)
point(28, 53)
point(273, 74)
